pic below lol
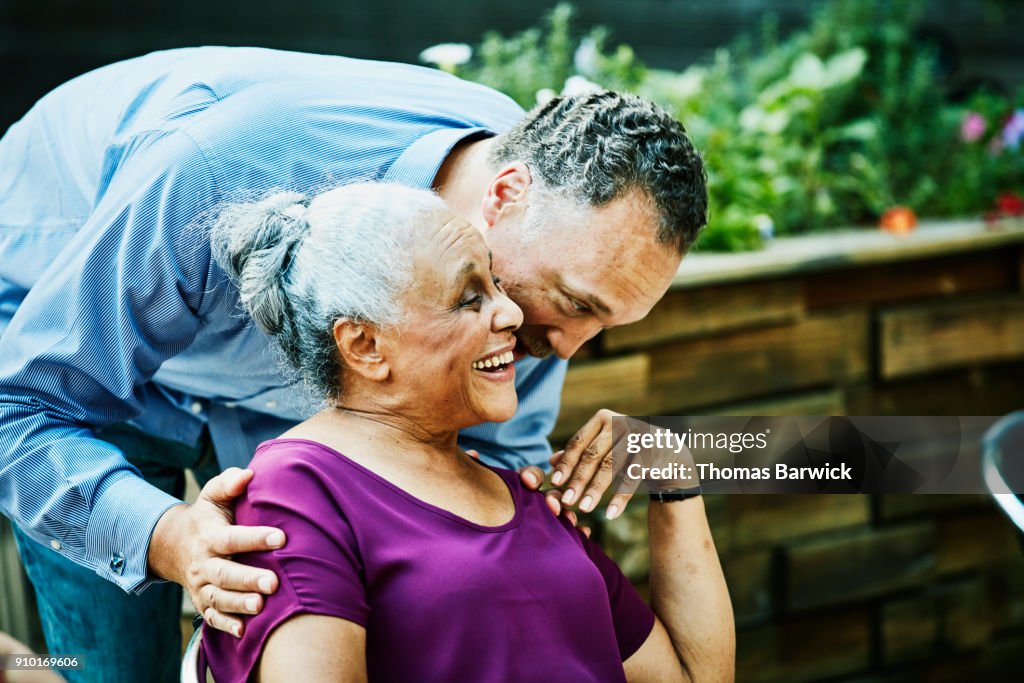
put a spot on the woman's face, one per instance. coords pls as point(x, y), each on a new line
point(453, 349)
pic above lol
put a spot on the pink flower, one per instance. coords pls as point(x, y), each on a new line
point(973, 127)
point(1014, 129)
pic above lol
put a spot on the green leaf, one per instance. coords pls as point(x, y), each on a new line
point(808, 72)
point(858, 131)
point(845, 66)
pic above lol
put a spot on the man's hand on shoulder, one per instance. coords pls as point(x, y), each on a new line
point(584, 470)
point(192, 545)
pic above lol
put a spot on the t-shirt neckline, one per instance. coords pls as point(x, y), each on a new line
point(505, 475)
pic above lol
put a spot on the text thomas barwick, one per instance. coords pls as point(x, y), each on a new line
point(710, 472)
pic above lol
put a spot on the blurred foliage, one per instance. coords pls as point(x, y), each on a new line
point(828, 127)
point(545, 57)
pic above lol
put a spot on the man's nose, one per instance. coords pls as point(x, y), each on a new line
point(567, 341)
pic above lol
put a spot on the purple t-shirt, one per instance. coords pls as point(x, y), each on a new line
point(441, 598)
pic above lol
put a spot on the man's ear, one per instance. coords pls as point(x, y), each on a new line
point(358, 345)
point(508, 188)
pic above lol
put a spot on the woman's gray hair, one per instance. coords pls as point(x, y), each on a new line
point(300, 264)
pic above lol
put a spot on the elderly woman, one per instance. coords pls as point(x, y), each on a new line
point(407, 559)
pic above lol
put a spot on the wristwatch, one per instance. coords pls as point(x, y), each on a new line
point(674, 495)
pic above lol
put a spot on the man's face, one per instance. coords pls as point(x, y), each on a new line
point(604, 268)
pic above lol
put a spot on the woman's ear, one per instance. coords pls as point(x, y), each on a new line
point(358, 345)
point(508, 188)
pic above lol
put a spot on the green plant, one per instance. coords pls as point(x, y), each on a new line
point(542, 59)
point(828, 127)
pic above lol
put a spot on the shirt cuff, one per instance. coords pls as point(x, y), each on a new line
point(120, 527)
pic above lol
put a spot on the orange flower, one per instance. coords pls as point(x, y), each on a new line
point(898, 220)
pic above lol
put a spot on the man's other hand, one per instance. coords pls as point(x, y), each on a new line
point(586, 468)
point(192, 545)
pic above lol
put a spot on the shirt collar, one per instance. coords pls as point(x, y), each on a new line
point(419, 163)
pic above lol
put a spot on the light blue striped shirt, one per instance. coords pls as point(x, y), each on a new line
point(111, 307)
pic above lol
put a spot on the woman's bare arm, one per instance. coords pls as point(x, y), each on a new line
point(315, 649)
point(694, 637)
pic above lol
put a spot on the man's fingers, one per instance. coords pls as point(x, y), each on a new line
point(585, 530)
point(603, 478)
point(230, 602)
point(555, 457)
point(594, 457)
point(222, 622)
point(231, 540)
point(232, 576)
point(473, 453)
point(532, 477)
point(618, 504)
point(551, 498)
point(226, 486)
point(574, 449)
point(571, 516)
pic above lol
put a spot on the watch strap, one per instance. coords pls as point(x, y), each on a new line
point(674, 495)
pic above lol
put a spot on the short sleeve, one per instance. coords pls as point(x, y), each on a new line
point(319, 568)
point(632, 617)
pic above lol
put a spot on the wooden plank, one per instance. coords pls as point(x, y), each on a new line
point(966, 273)
point(616, 383)
point(717, 509)
point(900, 506)
point(839, 249)
point(750, 577)
point(699, 312)
point(826, 349)
point(910, 630)
point(949, 617)
point(859, 565)
point(758, 521)
point(930, 337)
point(998, 660)
point(1020, 269)
point(985, 390)
point(626, 540)
point(805, 648)
point(973, 540)
point(828, 402)
point(1007, 585)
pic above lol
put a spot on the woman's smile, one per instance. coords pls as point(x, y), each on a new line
point(497, 366)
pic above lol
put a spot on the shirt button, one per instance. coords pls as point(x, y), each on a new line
point(117, 563)
point(197, 407)
point(55, 544)
point(271, 404)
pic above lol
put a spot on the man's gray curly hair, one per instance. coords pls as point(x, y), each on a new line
point(592, 148)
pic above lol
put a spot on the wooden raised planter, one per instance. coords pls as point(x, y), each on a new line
point(859, 323)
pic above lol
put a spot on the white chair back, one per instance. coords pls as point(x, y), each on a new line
point(1002, 464)
point(190, 662)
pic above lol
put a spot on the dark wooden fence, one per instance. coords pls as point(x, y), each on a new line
point(856, 587)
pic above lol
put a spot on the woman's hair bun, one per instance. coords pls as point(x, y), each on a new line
point(255, 244)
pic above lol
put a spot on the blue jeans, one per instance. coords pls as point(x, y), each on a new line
point(123, 638)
